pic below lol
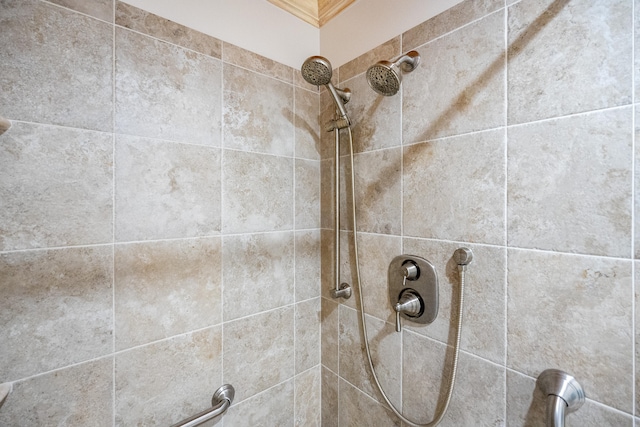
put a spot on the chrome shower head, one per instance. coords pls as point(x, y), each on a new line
point(385, 77)
point(317, 70)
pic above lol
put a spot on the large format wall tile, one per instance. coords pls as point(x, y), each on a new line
point(329, 398)
point(56, 187)
point(460, 87)
point(80, 395)
point(55, 310)
point(307, 336)
point(168, 381)
point(375, 119)
point(329, 341)
point(307, 398)
point(358, 409)
point(308, 264)
point(375, 252)
point(164, 91)
point(166, 288)
point(449, 20)
point(257, 192)
point(568, 57)
point(252, 61)
point(570, 184)
point(483, 314)
point(526, 407)
point(307, 178)
point(258, 351)
point(385, 344)
point(386, 51)
point(636, 182)
point(147, 23)
point(378, 192)
point(274, 407)
point(56, 66)
point(307, 125)
point(166, 190)
point(478, 395)
point(454, 188)
point(572, 313)
point(101, 9)
point(258, 113)
point(258, 273)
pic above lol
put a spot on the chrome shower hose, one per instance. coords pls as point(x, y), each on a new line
point(461, 268)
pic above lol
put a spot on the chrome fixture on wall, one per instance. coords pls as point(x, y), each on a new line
point(4, 125)
point(385, 77)
point(316, 70)
point(564, 395)
point(220, 402)
point(413, 289)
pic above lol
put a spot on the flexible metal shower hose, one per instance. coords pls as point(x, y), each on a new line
point(461, 268)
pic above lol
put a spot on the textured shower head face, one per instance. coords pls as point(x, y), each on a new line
point(316, 70)
point(385, 77)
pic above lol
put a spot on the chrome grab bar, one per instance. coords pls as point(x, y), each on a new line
point(220, 402)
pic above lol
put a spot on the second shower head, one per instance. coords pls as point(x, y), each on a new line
point(385, 77)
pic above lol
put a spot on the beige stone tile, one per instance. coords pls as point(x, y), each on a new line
point(308, 395)
point(168, 381)
point(308, 264)
point(258, 113)
point(307, 339)
point(449, 20)
point(467, 94)
point(56, 66)
point(569, 184)
point(80, 395)
point(307, 127)
point(176, 98)
point(454, 189)
point(636, 180)
point(483, 314)
point(329, 401)
point(274, 407)
point(257, 192)
point(478, 395)
point(327, 193)
point(385, 344)
point(147, 23)
point(375, 253)
point(252, 61)
point(376, 119)
point(547, 290)
point(568, 57)
point(56, 309)
point(56, 187)
point(636, 55)
point(307, 177)
point(358, 409)
point(258, 351)
point(101, 9)
point(526, 406)
point(329, 341)
point(385, 51)
point(637, 331)
point(258, 273)
point(166, 288)
point(378, 192)
point(166, 190)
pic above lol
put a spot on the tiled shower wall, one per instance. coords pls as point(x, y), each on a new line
point(513, 137)
point(159, 223)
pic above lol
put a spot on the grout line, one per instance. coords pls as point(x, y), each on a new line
point(506, 210)
point(113, 218)
point(79, 12)
point(222, 211)
point(634, 373)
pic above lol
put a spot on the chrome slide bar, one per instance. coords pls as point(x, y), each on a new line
point(220, 402)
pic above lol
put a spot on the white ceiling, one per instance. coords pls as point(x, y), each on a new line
point(263, 28)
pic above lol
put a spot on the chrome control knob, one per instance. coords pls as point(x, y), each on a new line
point(409, 304)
